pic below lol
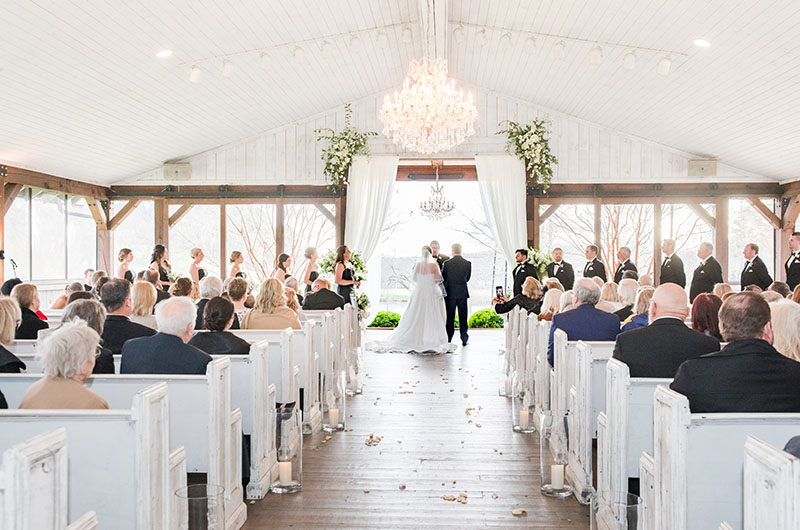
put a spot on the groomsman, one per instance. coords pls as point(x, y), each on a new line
point(523, 270)
point(755, 271)
point(625, 264)
point(594, 267)
point(707, 274)
point(561, 270)
point(672, 266)
point(438, 256)
point(792, 265)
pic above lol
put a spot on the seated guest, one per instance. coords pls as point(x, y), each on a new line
point(291, 299)
point(609, 298)
point(645, 280)
point(628, 289)
point(195, 294)
point(3, 402)
point(144, 297)
point(9, 285)
point(551, 305)
point(85, 295)
point(599, 282)
point(67, 356)
point(782, 288)
point(565, 303)
point(99, 285)
point(705, 314)
point(61, 300)
point(210, 287)
point(772, 296)
point(10, 314)
point(658, 349)
point(721, 288)
point(641, 309)
point(795, 297)
point(727, 295)
point(167, 352)
point(151, 277)
point(585, 322)
point(250, 301)
point(27, 296)
point(96, 277)
point(94, 314)
point(552, 283)
point(321, 297)
point(181, 287)
point(237, 291)
point(270, 311)
point(291, 283)
point(753, 288)
point(530, 299)
point(218, 317)
point(87, 279)
point(793, 446)
point(785, 318)
point(116, 297)
point(747, 375)
point(631, 275)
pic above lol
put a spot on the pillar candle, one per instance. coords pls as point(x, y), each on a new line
point(508, 386)
point(523, 419)
point(557, 476)
point(285, 473)
point(333, 417)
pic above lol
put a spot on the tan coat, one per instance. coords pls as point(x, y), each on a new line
point(60, 393)
point(281, 318)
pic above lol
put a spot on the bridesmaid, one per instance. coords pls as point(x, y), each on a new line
point(195, 272)
point(312, 271)
point(159, 262)
point(236, 271)
point(125, 257)
point(282, 265)
point(344, 275)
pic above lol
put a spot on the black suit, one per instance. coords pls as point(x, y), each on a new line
point(792, 268)
point(564, 274)
point(162, 354)
point(746, 376)
point(659, 349)
point(624, 312)
point(3, 403)
point(118, 329)
point(323, 299)
point(705, 277)
point(160, 296)
point(10, 363)
point(30, 325)
point(522, 272)
point(755, 273)
point(626, 265)
point(456, 273)
point(595, 268)
point(104, 363)
point(440, 259)
point(220, 343)
point(672, 271)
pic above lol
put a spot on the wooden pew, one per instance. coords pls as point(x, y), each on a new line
point(22, 347)
point(699, 460)
point(119, 460)
point(348, 342)
point(542, 371)
point(771, 487)
point(507, 354)
point(647, 490)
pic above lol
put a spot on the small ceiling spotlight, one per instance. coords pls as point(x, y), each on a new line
point(629, 61)
point(483, 38)
point(596, 55)
point(265, 60)
point(196, 74)
point(664, 65)
point(505, 41)
point(381, 40)
point(407, 36)
point(326, 49)
point(530, 45)
point(298, 54)
point(560, 50)
point(458, 34)
point(227, 69)
point(355, 44)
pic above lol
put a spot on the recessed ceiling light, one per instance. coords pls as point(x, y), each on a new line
point(196, 75)
point(701, 43)
point(629, 61)
point(458, 34)
point(596, 55)
point(163, 54)
point(227, 69)
point(560, 50)
point(664, 65)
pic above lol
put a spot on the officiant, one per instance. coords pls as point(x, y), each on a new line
point(438, 256)
point(523, 270)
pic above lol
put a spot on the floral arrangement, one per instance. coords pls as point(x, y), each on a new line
point(540, 259)
point(362, 301)
point(173, 277)
point(531, 144)
point(326, 264)
point(342, 147)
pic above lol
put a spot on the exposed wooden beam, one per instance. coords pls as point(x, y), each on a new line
point(280, 228)
point(790, 214)
point(657, 236)
point(765, 212)
point(178, 215)
point(341, 216)
point(3, 231)
point(532, 223)
point(10, 192)
point(97, 213)
point(35, 179)
point(547, 213)
point(702, 213)
point(327, 213)
point(223, 231)
point(671, 190)
point(446, 173)
point(123, 214)
point(721, 236)
point(161, 222)
point(220, 193)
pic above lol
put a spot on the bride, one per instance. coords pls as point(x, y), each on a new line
point(422, 326)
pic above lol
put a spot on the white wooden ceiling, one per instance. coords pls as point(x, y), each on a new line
point(82, 94)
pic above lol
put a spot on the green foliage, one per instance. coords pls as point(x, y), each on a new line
point(485, 318)
point(342, 147)
point(326, 265)
point(531, 144)
point(385, 319)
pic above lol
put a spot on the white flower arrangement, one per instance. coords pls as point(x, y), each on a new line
point(342, 147)
point(540, 259)
point(531, 144)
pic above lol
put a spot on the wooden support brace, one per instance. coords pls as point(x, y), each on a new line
point(123, 214)
point(547, 213)
point(791, 213)
point(327, 213)
point(10, 192)
point(98, 214)
point(765, 212)
point(178, 215)
point(702, 213)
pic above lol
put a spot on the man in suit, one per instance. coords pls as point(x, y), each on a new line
point(115, 295)
point(561, 270)
point(151, 276)
point(625, 264)
point(438, 256)
point(659, 349)
point(672, 266)
point(210, 286)
point(168, 351)
point(522, 271)
point(585, 322)
point(792, 265)
point(456, 272)
point(594, 268)
point(747, 375)
point(707, 274)
point(321, 297)
point(755, 271)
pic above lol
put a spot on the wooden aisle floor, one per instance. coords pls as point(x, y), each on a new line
point(429, 449)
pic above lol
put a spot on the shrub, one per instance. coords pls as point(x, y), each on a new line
point(486, 318)
point(385, 319)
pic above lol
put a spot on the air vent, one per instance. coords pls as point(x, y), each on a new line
point(177, 171)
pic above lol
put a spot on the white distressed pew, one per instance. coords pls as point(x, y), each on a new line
point(119, 461)
point(542, 371)
point(22, 347)
point(771, 487)
point(699, 461)
point(347, 342)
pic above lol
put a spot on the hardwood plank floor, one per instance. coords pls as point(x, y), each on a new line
point(429, 449)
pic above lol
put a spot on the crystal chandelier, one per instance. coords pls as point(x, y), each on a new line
point(428, 115)
point(436, 207)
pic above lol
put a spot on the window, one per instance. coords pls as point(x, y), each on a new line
point(136, 232)
point(627, 225)
point(746, 225)
point(682, 223)
point(17, 236)
point(251, 231)
point(308, 226)
point(198, 228)
point(571, 227)
point(81, 237)
point(48, 235)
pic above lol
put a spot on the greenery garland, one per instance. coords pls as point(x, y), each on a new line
point(531, 144)
point(342, 147)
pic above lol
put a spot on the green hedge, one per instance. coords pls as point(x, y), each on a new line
point(385, 319)
point(485, 318)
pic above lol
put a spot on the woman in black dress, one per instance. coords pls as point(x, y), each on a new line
point(125, 257)
point(159, 263)
point(195, 272)
point(311, 271)
point(344, 275)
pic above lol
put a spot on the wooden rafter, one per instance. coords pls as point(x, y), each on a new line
point(702, 213)
point(327, 213)
point(10, 192)
point(547, 213)
point(791, 213)
point(123, 214)
point(44, 181)
point(97, 213)
point(179, 213)
point(765, 212)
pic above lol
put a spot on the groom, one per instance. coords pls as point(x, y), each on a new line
point(456, 272)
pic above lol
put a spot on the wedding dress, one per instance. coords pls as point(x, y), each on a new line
point(422, 325)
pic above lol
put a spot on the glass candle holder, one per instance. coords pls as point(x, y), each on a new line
point(334, 402)
point(205, 505)
point(354, 385)
point(289, 442)
point(522, 407)
point(553, 460)
point(505, 373)
point(623, 511)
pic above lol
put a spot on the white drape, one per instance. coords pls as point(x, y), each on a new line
point(501, 180)
point(368, 196)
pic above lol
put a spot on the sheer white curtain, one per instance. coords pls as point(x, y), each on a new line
point(368, 196)
point(501, 180)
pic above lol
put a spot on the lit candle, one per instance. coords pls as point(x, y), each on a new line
point(333, 417)
point(508, 386)
point(286, 473)
point(557, 476)
point(523, 419)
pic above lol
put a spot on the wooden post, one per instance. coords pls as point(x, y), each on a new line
point(341, 210)
point(2, 231)
point(161, 222)
point(790, 208)
point(280, 227)
point(532, 221)
point(105, 244)
point(598, 227)
point(721, 236)
point(223, 232)
point(657, 215)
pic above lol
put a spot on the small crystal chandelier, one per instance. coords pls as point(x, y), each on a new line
point(436, 207)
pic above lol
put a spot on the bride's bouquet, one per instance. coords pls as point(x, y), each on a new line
point(540, 259)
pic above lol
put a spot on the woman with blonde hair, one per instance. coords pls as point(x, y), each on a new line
point(181, 287)
point(553, 283)
point(795, 296)
point(530, 299)
point(291, 299)
point(641, 310)
point(609, 298)
point(785, 318)
point(10, 315)
point(721, 288)
point(143, 295)
point(270, 310)
point(27, 296)
point(125, 257)
point(236, 270)
point(551, 305)
point(195, 272)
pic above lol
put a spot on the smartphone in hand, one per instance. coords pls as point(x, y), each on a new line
point(498, 291)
